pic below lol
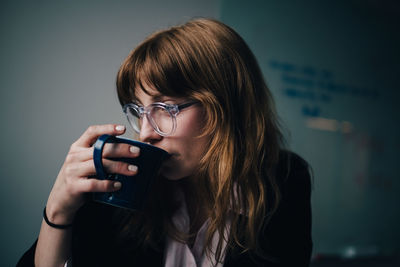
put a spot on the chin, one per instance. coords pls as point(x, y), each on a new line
point(170, 173)
point(173, 178)
point(171, 169)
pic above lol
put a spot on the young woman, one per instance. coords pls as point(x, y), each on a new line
point(228, 196)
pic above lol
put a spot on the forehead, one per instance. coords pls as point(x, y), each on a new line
point(144, 97)
point(150, 95)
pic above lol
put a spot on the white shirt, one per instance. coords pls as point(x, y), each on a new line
point(178, 254)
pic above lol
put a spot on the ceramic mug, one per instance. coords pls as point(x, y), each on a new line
point(136, 188)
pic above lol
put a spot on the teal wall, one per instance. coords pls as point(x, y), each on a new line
point(333, 67)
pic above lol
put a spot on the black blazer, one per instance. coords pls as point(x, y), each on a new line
point(286, 238)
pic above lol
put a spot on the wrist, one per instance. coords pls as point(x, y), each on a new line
point(57, 216)
point(52, 224)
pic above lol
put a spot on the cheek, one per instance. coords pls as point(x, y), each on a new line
point(171, 170)
point(191, 124)
point(186, 162)
point(188, 144)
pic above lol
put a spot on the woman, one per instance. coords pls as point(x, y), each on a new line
point(228, 196)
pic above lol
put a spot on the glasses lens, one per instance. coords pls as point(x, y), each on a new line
point(134, 119)
point(162, 119)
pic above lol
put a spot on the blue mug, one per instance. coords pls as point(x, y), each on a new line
point(136, 188)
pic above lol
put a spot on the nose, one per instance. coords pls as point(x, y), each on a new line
point(147, 132)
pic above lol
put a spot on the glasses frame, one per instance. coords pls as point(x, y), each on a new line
point(173, 110)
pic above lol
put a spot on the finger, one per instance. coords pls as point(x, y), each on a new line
point(119, 167)
point(87, 168)
point(94, 185)
point(120, 151)
point(80, 169)
point(90, 136)
point(111, 150)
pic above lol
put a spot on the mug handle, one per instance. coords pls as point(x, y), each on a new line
point(97, 154)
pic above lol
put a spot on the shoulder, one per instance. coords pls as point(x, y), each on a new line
point(287, 235)
point(293, 176)
point(293, 171)
point(285, 239)
point(290, 162)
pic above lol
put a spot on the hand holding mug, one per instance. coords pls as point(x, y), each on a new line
point(73, 181)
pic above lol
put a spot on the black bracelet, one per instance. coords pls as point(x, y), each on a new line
point(58, 226)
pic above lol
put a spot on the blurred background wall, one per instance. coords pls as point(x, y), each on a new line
point(333, 68)
point(58, 65)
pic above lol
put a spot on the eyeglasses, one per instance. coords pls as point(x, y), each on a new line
point(162, 117)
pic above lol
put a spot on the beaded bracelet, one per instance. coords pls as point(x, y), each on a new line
point(58, 226)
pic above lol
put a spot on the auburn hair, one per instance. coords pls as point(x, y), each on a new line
point(207, 61)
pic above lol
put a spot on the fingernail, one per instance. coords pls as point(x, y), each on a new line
point(132, 168)
point(120, 128)
point(117, 185)
point(134, 149)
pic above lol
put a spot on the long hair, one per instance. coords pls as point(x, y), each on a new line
point(208, 61)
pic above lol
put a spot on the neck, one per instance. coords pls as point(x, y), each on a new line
point(196, 205)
